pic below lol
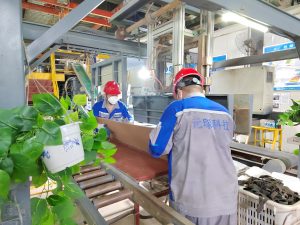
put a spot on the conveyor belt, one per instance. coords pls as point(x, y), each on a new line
point(257, 156)
point(98, 186)
point(107, 185)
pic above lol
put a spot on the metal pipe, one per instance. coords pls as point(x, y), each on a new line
point(87, 176)
point(155, 14)
point(113, 198)
point(254, 59)
point(209, 47)
point(86, 169)
point(96, 181)
point(102, 189)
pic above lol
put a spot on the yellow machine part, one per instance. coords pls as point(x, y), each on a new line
point(46, 76)
point(53, 75)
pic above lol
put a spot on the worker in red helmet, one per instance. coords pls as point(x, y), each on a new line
point(196, 133)
point(111, 107)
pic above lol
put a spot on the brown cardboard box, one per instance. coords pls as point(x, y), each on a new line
point(132, 156)
point(135, 136)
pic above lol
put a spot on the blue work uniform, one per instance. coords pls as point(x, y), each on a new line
point(196, 134)
point(119, 113)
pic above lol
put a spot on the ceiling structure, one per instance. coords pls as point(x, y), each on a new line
point(48, 12)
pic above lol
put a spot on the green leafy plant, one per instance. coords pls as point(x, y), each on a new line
point(24, 131)
point(291, 118)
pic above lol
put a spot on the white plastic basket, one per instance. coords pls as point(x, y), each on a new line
point(272, 214)
point(58, 158)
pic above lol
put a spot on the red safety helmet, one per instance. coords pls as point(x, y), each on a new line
point(112, 88)
point(184, 72)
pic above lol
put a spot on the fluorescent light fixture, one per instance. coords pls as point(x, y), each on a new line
point(232, 17)
point(144, 73)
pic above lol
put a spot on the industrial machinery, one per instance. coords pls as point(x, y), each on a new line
point(148, 109)
point(257, 80)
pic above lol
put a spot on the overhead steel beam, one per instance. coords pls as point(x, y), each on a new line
point(249, 60)
point(57, 12)
point(51, 35)
point(81, 39)
point(128, 9)
point(72, 5)
point(45, 56)
point(279, 21)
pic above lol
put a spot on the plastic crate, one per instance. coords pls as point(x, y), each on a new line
point(272, 214)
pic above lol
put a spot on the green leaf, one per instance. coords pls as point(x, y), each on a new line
point(296, 151)
point(65, 175)
point(40, 121)
point(87, 142)
point(47, 104)
point(49, 134)
point(68, 100)
point(107, 152)
point(73, 191)
point(30, 148)
point(64, 103)
point(101, 135)
point(7, 165)
point(49, 220)
point(59, 187)
point(107, 145)
point(74, 116)
point(39, 180)
point(96, 145)
point(89, 123)
point(60, 122)
point(71, 117)
point(68, 221)
point(6, 138)
point(28, 117)
point(75, 169)
point(10, 119)
point(24, 167)
point(89, 156)
point(109, 160)
point(97, 162)
point(54, 200)
point(80, 99)
point(39, 211)
point(64, 209)
point(4, 184)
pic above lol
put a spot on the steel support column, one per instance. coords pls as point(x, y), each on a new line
point(205, 48)
point(60, 28)
point(178, 38)
point(150, 48)
point(124, 79)
point(11, 55)
point(12, 92)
